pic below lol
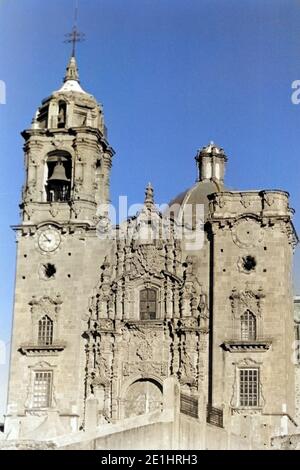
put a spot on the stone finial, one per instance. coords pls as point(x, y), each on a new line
point(149, 198)
point(210, 149)
point(72, 71)
point(34, 122)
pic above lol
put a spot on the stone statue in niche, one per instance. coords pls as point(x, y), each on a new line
point(188, 267)
point(188, 370)
point(61, 118)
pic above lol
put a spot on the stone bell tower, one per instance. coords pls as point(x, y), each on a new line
point(67, 162)
point(67, 156)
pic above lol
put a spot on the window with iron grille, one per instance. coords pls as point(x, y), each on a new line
point(148, 304)
point(249, 387)
point(248, 326)
point(214, 415)
point(42, 389)
point(189, 405)
point(45, 334)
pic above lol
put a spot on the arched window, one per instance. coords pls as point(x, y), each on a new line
point(45, 333)
point(248, 326)
point(42, 116)
point(148, 304)
point(61, 118)
point(59, 170)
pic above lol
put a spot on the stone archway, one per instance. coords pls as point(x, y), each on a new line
point(142, 396)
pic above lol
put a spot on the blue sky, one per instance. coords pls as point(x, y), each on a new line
point(172, 75)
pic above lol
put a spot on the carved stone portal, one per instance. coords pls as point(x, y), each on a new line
point(122, 344)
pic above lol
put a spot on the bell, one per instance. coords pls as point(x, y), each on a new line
point(59, 173)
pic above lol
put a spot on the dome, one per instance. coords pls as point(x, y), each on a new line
point(71, 82)
point(211, 161)
point(71, 85)
point(196, 195)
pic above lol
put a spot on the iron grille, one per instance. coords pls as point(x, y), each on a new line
point(214, 416)
point(249, 387)
point(42, 389)
point(189, 405)
point(248, 326)
point(45, 334)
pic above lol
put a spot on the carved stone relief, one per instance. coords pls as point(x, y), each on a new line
point(169, 344)
point(45, 306)
point(246, 299)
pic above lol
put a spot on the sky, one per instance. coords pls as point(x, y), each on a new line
point(172, 76)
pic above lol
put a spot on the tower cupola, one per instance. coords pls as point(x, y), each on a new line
point(211, 161)
point(70, 106)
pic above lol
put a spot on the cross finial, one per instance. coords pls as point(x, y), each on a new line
point(75, 36)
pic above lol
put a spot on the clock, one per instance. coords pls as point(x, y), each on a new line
point(49, 239)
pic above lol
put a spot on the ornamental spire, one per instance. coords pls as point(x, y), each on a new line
point(149, 198)
point(72, 71)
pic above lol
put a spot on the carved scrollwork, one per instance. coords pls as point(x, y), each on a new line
point(144, 350)
point(45, 306)
point(245, 200)
point(160, 369)
point(75, 210)
point(28, 210)
point(53, 210)
point(247, 299)
point(269, 199)
point(189, 323)
point(106, 324)
point(220, 201)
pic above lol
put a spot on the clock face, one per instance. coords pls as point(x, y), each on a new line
point(49, 239)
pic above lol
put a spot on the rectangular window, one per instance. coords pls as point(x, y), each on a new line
point(148, 304)
point(249, 387)
point(42, 389)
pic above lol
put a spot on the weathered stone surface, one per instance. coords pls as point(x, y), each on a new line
point(131, 307)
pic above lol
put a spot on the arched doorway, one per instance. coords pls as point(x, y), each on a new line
point(143, 396)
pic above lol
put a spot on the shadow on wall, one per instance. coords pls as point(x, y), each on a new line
point(296, 273)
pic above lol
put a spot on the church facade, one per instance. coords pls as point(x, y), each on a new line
point(114, 325)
